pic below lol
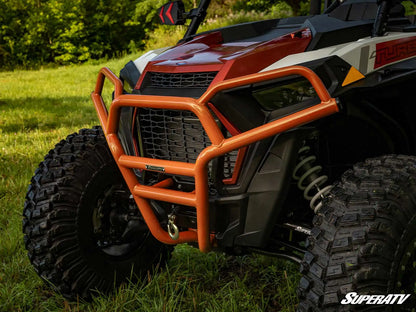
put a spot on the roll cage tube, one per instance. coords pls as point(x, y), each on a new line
point(220, 145)
point(315, 7)
point(197, 15)
point(380, 23)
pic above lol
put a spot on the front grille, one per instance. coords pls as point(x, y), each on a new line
point(175, 135)
point(229, 163)
point(179, 80)
point(171, 135)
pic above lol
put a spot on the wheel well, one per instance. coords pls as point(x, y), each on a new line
point(361, 130)
point(364, 129)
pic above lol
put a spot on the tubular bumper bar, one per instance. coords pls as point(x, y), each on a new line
point(220, 145)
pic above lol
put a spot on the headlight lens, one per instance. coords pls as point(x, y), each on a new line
point(284, 94)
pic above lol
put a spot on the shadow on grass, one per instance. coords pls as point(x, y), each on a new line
point(45, 113)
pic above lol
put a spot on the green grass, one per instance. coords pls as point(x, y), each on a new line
point(37, 110)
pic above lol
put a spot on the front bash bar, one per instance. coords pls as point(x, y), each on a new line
point(219, 145)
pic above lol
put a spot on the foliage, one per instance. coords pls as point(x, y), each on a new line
point(40, 31)
point(36, 32)
point(254, 5)
point(409, 7)
point(268, 5)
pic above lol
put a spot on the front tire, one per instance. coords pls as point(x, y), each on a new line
point(364, 238)
point(82, 230)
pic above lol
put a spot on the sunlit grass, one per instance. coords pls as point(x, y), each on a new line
point(37, 110)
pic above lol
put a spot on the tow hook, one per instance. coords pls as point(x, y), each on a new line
point(172, 228)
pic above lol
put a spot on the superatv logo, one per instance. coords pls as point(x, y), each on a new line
point(354, 298)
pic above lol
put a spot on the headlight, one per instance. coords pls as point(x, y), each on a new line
point(284, 94)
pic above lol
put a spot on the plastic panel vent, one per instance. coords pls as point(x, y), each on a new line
point(180, 80)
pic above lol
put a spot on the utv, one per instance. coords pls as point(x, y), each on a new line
point(291, 137)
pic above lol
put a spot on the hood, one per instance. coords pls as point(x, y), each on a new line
point(210, 53)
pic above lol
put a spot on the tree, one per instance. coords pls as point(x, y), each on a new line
point(35, 32)
point(266, 5)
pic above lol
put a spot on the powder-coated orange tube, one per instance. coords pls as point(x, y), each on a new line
point(220, 146)
point(165, 102)
point(147, 212)
point(315, 81)
point(176, 197)
point(170, 167)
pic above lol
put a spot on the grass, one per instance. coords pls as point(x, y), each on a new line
point(37, 110)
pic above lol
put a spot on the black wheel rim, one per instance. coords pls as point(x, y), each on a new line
point(110, 220)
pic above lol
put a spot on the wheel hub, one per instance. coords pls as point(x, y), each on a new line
point(117, 225)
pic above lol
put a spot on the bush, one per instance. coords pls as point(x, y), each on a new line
point(36, 32)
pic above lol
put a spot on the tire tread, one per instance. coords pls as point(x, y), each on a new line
point(359, 225)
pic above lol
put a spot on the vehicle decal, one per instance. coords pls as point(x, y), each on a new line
point(352, 76)
point(366, 54)
point(393, 51)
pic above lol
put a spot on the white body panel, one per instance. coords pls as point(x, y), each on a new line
point(361, 54)
point(143, 60)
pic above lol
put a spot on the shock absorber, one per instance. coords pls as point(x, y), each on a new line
point(309, 180)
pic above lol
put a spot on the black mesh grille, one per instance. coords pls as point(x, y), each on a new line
point(179, 80)
point(171, 135)
point(176, 135)
point(229, 163)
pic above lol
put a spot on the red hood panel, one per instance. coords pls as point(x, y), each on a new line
point(209, 53)
point(206, 50)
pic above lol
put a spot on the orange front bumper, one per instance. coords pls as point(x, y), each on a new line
point(220, 146)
